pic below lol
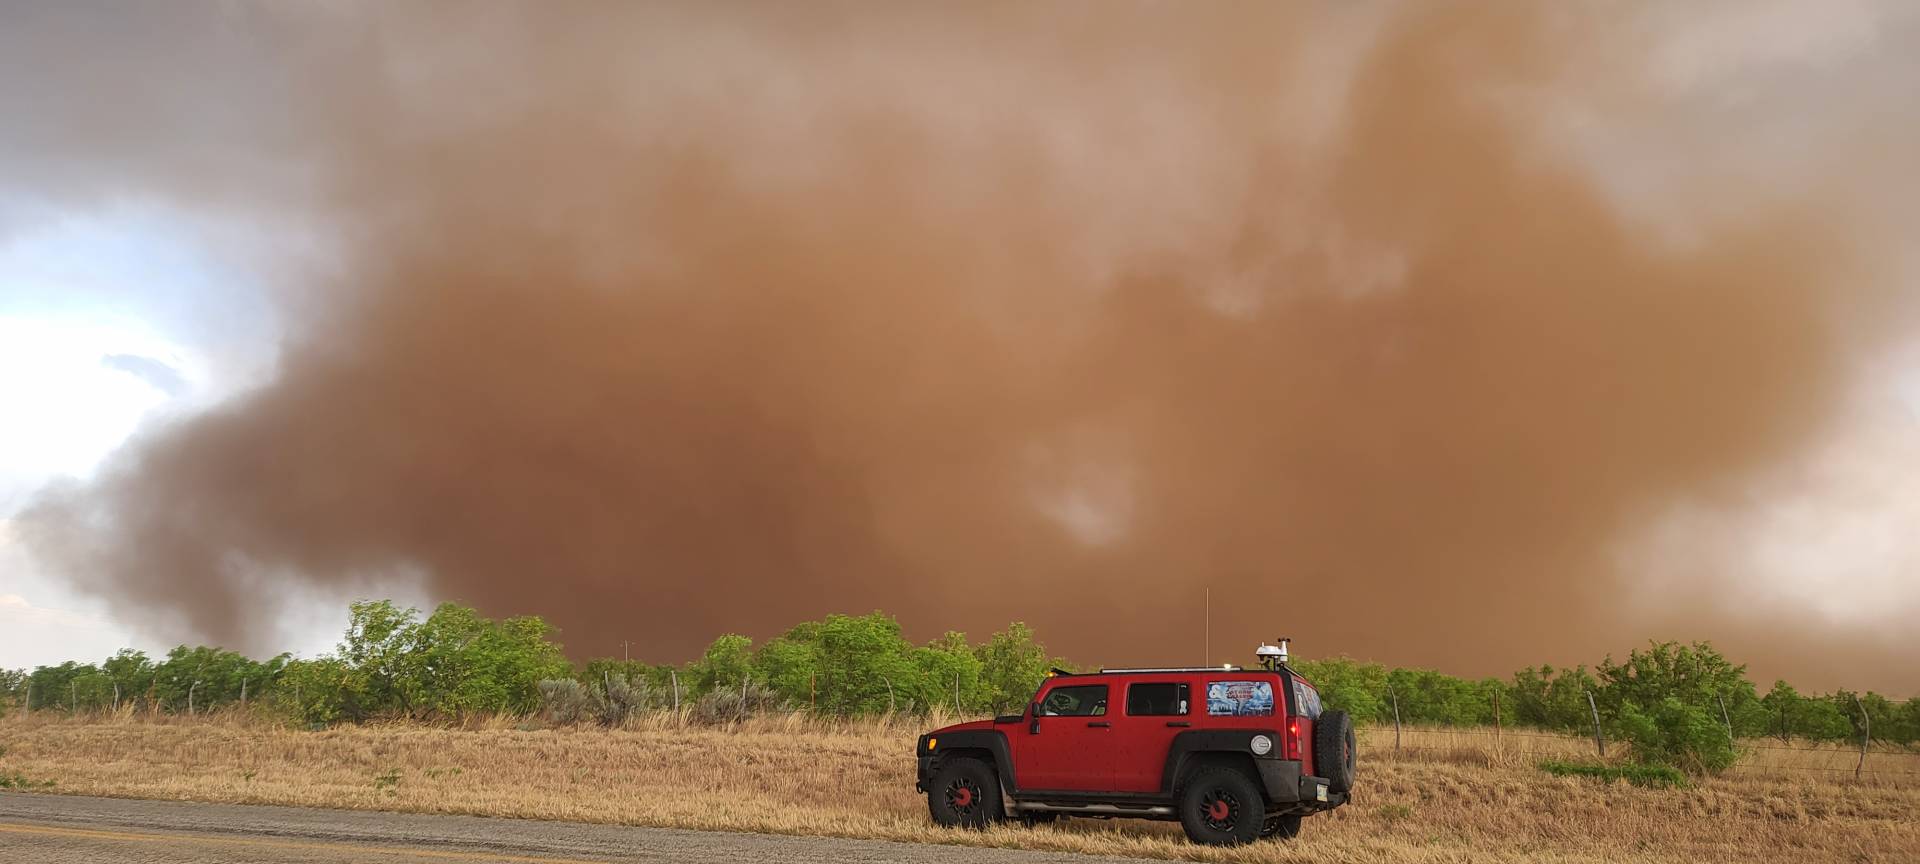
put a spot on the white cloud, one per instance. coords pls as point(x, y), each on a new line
point(1832, 533)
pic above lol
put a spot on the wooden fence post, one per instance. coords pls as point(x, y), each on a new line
point(1866, 734)
point(956, 694)
point(889, 693)
point(1396, 719)
point(675, 676)
point(1599, 742)
point(1723, 715)
point(1496, 718)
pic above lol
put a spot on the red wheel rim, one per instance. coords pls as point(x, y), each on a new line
point(1220, 809)
point(962, 795)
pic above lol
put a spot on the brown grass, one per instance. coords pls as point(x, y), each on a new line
point(1448, 796)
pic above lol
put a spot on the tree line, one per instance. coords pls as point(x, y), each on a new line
point(452, 663)
point(394, 662)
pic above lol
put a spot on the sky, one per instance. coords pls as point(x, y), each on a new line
point(125, 314)
point(113, 321)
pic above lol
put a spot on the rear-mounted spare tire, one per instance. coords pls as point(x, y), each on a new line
point(1334, 754)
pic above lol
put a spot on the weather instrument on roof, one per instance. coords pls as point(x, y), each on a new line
point(1272, 656)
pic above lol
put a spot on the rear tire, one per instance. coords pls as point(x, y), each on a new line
point(1221, 806)
point(1334, 754)
point(1280, 827)
point(965, 793)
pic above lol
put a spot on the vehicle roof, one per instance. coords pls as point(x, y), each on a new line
point(1168, 670)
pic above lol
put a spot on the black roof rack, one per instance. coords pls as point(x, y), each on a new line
point(1145, 669)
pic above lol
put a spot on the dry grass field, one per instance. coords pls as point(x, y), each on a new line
point(1448, 796)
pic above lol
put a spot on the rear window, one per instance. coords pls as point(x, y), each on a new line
point(1306, 700)
point(1166, 699)
point(1085, 700)
point(1240, 698)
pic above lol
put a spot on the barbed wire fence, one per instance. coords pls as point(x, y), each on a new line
point(1869, 762)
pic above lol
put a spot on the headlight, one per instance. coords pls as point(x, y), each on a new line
point(1262, 745)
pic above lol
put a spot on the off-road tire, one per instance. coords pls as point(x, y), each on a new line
point(1280, 827)
point(964, 793)
point(1221, 806)
point(1334, 754)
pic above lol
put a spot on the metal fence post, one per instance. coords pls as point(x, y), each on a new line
point(1599, 741)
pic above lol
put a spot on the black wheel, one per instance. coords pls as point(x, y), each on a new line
point(1334, 754)
point(964, 793)
point(1220, 806)
point(1280, 827)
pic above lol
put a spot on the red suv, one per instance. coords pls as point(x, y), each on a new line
point(1234, 754)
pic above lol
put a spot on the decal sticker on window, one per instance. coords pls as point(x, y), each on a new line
point(1240, 698)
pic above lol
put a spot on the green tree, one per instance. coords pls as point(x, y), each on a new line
point(1550, 699)
point(1012, 665)
point(1695, 674)
point(460, 663)
point(726, 664)
point(131, 674)
point(1345, 684)
point(951, 674)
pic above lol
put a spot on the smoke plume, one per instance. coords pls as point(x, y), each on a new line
point(668, 320)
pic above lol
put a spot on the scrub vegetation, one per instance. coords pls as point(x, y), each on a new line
point(1682, 706)
point(1449, 795)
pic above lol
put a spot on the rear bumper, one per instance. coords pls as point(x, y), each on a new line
point(1289, 789)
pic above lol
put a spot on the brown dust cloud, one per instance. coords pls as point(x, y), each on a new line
point(663, 321)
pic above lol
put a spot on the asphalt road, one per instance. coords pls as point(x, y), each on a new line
point(62, 829)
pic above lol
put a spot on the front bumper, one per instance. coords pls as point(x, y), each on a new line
point(923, 773)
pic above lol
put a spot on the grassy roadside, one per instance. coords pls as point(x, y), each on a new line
point(1449, 796)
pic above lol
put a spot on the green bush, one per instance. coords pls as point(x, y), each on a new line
point(1637, 773)
point(1678, 735)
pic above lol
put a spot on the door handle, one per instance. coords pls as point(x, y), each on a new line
point(1178, 724)
point(1099, 724)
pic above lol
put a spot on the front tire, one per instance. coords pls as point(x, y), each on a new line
point(965, 793)
point(1220, 806)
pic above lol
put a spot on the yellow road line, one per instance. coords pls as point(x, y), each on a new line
point(193, 839)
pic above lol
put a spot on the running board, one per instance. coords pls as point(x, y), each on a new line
point(1101, 809)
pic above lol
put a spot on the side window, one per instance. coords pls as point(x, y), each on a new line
point(1085, 700)
point(1240, 698)
point(1157, 700)
point(1306, 700)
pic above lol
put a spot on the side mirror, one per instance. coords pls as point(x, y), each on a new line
point(1033, 728)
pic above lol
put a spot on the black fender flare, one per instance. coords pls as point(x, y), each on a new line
point(1195, 742)
point(992, 741)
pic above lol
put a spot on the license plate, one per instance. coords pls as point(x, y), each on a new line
point(1320, 791)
